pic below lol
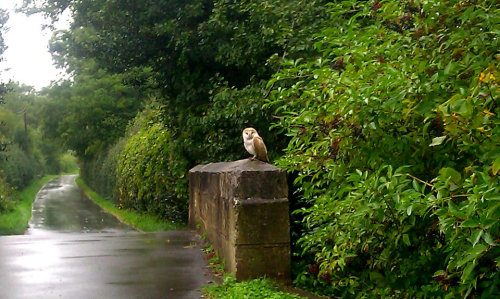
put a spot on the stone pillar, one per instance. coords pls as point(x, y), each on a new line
point(242, 208)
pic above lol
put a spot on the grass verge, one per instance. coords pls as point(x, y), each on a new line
point(140, 221)
point(16, 221)
point(256, 288)
point(229, 288)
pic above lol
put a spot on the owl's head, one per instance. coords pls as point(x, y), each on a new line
point(249, 133)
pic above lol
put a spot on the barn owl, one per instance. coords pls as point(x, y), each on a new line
point(255, 145)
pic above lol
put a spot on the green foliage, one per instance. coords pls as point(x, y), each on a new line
point(101, 171)
point(3, 87)
point(68, 163)
point(216, 264)
point(394, 142)
point(191, 56)
point(151, 177)
point(256, 288)
point(27, 155)
point(14, 221)
point(91, 113)
point(19, 168)
point(216, 135)
point(24, 154)
point(5, 201)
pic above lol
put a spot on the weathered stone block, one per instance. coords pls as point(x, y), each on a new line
point(264, 259)
point(261, 221)
point(242, 207)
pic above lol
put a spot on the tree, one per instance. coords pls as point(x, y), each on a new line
point(91, 113)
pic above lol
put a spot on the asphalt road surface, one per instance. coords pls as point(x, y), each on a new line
point(75, 250)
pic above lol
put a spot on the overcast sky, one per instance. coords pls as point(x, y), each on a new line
point(27, 59)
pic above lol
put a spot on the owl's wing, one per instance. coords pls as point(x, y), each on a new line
point(260, 149)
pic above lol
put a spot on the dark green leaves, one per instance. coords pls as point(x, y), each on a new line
point(413, 83)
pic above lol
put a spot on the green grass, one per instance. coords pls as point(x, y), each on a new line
point(256, 288)
point(140, 221)
point(16, 221)
point(231, 289)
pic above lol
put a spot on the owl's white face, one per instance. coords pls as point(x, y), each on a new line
point(249, 133)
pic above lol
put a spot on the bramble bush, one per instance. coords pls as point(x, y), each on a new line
point(394, 141)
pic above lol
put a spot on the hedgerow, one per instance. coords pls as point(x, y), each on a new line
point(151, 176)
point(394, 141)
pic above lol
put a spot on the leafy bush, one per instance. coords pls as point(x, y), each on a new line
point(100, 172)
point(216, 135)
point(19, 168)
point(151, 177)
point(4, 196)
point(68, 163)
point(394, 141)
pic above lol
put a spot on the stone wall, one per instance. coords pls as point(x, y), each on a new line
point(242, 208)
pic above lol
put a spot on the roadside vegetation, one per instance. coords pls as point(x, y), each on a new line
point(230, 288)
point(256, 288)
point(26, 156)
point(384, 113)
point(15, 217)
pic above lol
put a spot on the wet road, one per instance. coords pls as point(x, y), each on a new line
point(74, 250)
point(61, 206)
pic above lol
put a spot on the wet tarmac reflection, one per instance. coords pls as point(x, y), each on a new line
point(61, 206)
point(73, 249)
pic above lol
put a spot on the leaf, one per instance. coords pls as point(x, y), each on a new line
point(488, 239)
point(406, 239)
point(448, 68)
point(453, 210)
point(439, 273)
point(415, 185)
point(450, 173)
point(409, 209)
point(471, 254)
point(467, 271)
point(470, 223)
point(496, 166)
point(437, 140)
point(476, 236)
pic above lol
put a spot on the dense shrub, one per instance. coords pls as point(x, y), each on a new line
point(151, 177)
point(394, 140)
point(68, 163)
point(4, 196)
point(19, 168)
point(24, 153)
point(216, 135)
point(100, 172)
